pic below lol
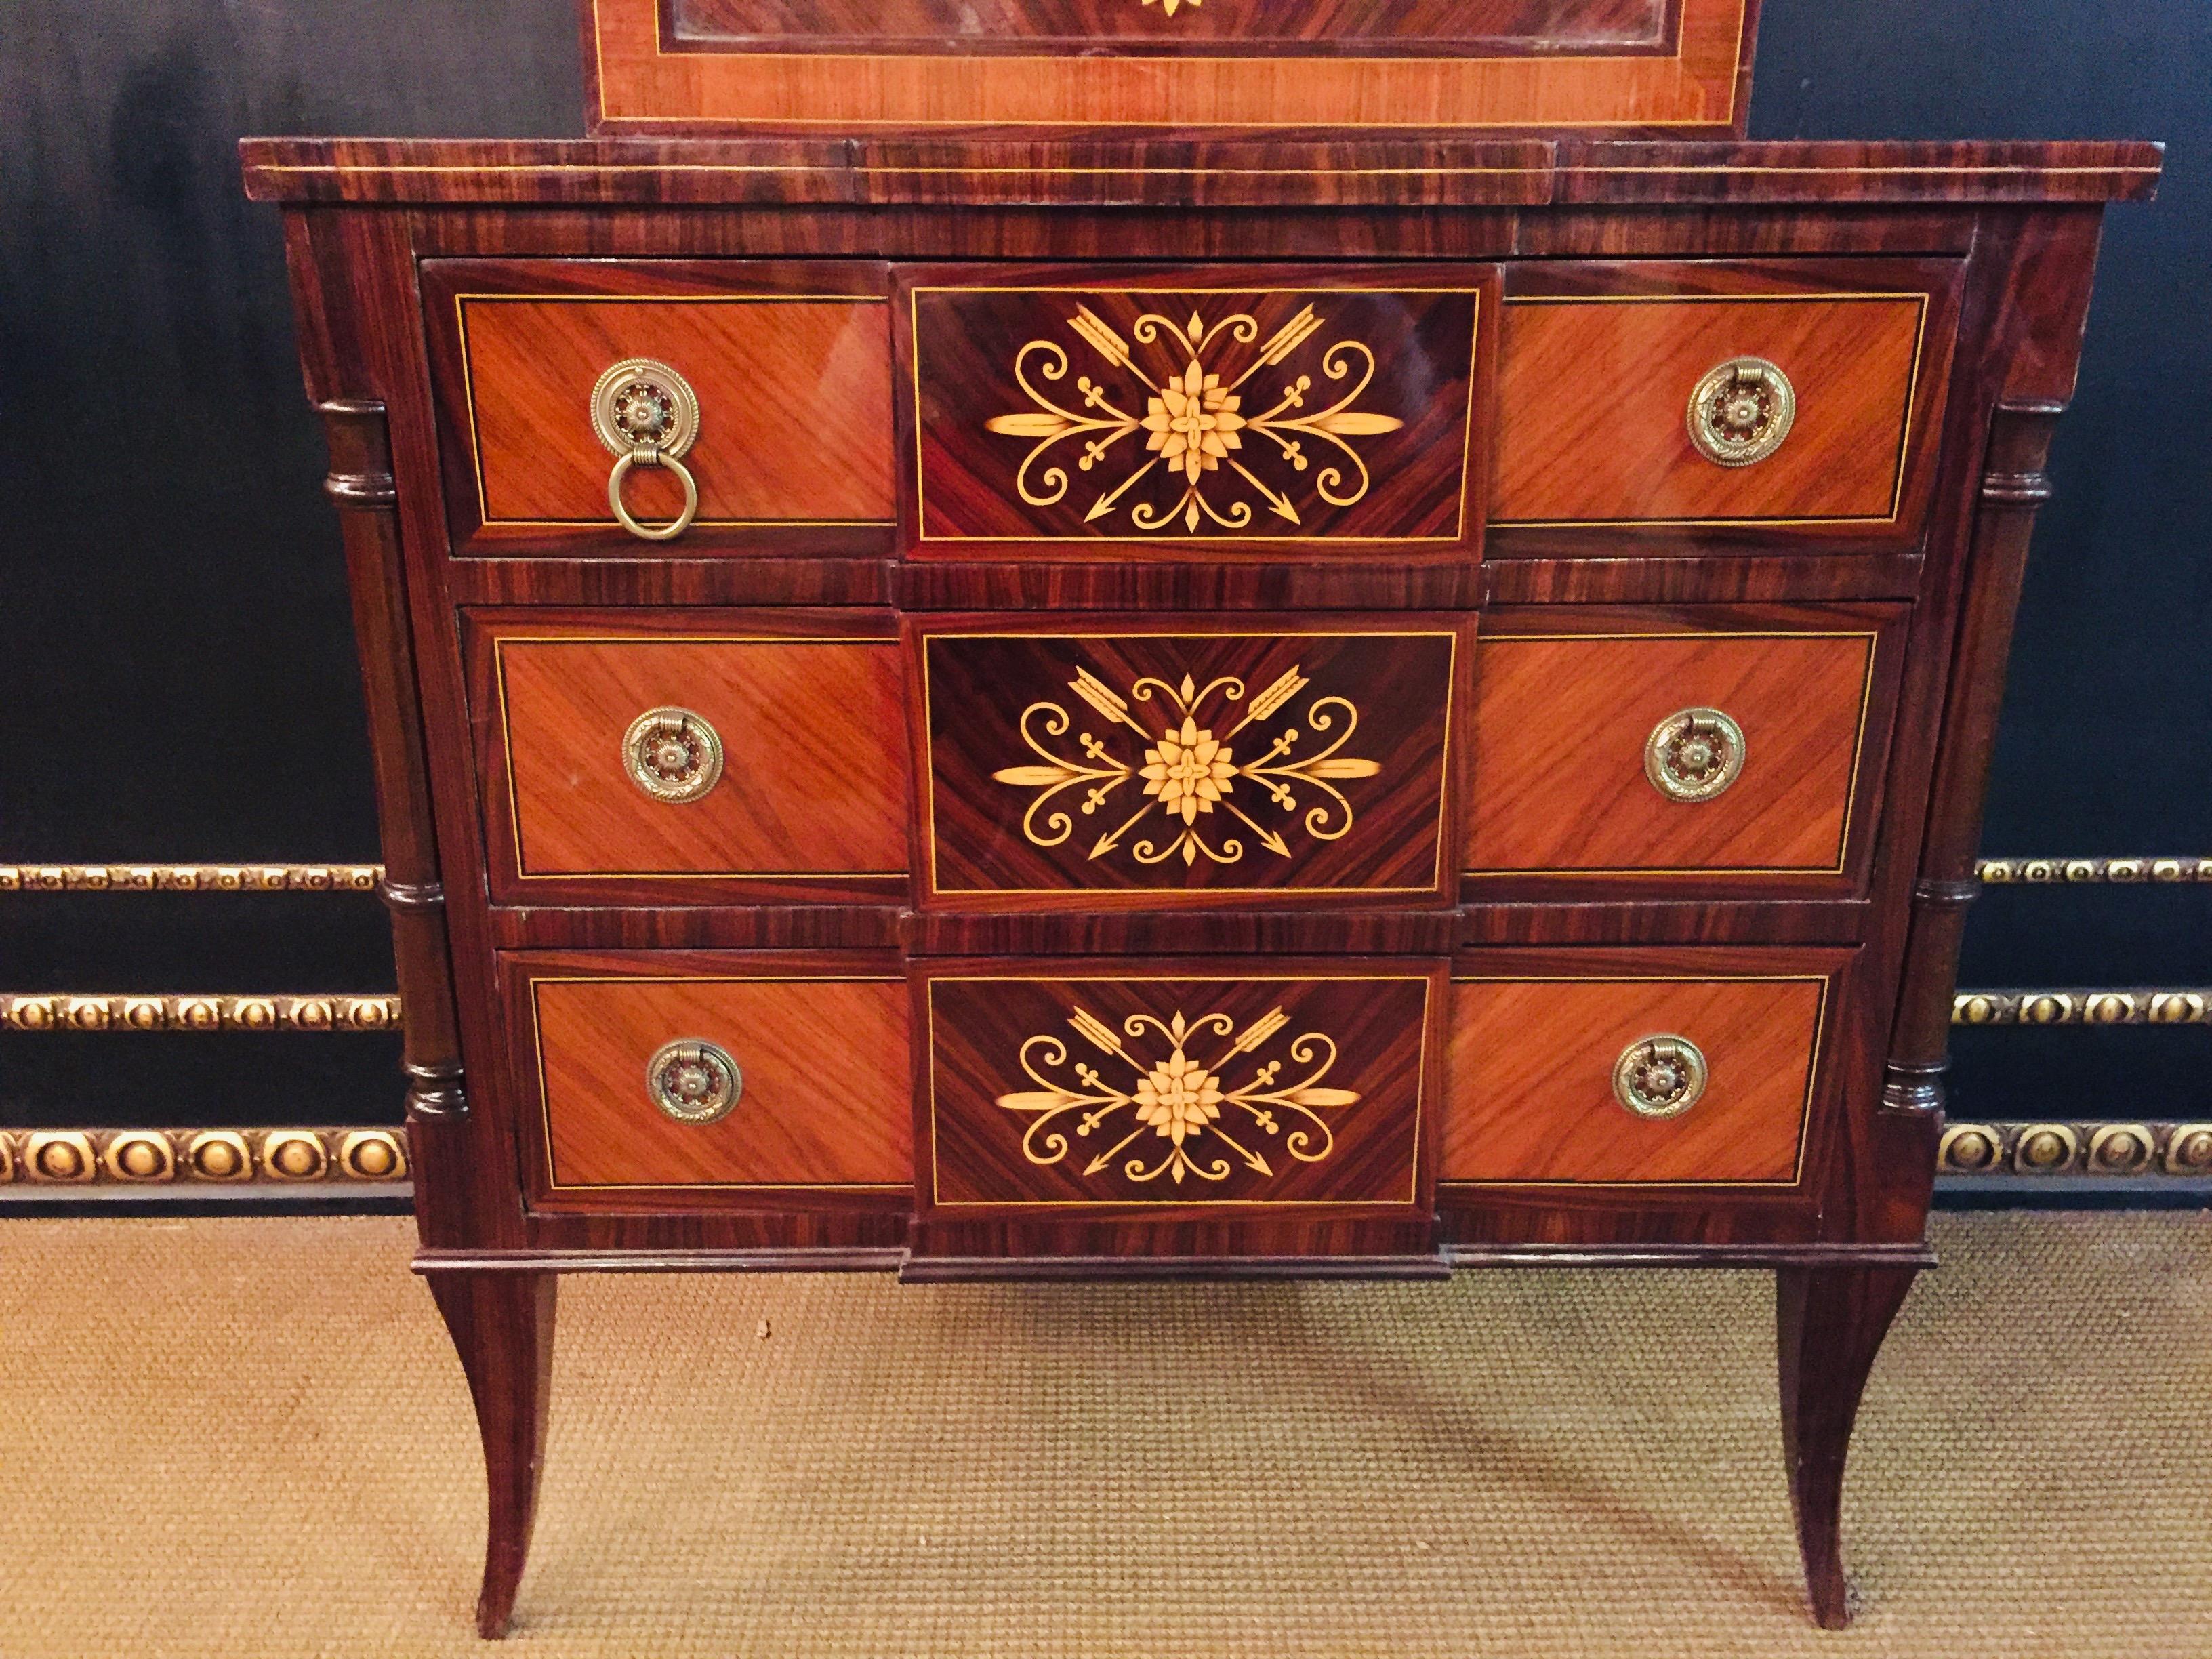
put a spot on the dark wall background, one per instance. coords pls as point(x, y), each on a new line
point(177, 678)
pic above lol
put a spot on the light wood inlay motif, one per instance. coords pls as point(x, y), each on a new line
point(825, 1099)
point(1529, 1079)
point(1560, 724)
point(1593, 392)
point(1212, 412)
point(794, 400)
point(814, 780)
point(1104, 1090)
point(1254, 761)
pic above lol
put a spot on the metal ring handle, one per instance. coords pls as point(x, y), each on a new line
point(694, 1081)
point(646, 415)
point(672, 754)
point(1694, 755)
point(1659, 1077)
point(1740, 411)
point(677, 525)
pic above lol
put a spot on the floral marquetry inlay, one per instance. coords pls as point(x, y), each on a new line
point(1175, 1114)
point(1186, 773)
point(1189, 430)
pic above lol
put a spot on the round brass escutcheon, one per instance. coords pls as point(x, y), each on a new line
point(2189, 1152)
point(1740, 411)
point(694, 1081)
point(372, 1155)
point(1659, 1077)
point(294, 1155)
point(219, 1155)
point(646, 415)
point(140, 1155)
point(1694, 754)
point(2045, 1149)
point(2120, 1149)
point(1966, 1146)
point(672, 754)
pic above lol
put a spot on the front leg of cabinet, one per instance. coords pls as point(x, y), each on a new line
point(501, 1321)
point(1829, 1325)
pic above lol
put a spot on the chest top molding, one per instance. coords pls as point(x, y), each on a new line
point(1370, 169)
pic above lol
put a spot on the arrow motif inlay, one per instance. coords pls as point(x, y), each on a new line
point(1210, 1127)
point(1188, 772)
point(1194, 425)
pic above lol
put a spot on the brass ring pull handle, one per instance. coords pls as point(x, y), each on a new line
point(673, 755)
point(1741, 411)
point(1659, 1077)
point(694, 1081)
point(646, 415)
point(1694, 754)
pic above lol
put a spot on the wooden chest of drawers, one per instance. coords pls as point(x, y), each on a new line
point(982, 707)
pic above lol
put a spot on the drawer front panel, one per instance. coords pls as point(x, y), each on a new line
point(1124, 1089)
point(816, 1055)
point(1293, 761)
point(1531, 1072)
point(1599, 753)
point(792, 376)
point(1595, 390)
point(807, 734)
point(1338, 414)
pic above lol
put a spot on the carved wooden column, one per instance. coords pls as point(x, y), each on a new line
point(362, 484)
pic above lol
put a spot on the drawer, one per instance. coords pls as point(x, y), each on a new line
point(1282, 757)
point(711, 1073)
point(784, 370)
point(1643, 394)
point(1642, 744)
point(1636, 1077)
point(1136, 1088)
point(1143, 414)
point(743, 755)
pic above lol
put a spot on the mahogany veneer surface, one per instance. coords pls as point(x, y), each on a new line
point(1530, 1066)
point(792, 370)
point(822, 1045)
point(814, 775)
point(1561, 721)
point(1593, 389)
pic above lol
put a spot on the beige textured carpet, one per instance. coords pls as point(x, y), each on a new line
point(248, 1438)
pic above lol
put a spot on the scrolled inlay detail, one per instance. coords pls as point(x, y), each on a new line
point(1189, 1103)
point(1186, 772)
point(1195, 424)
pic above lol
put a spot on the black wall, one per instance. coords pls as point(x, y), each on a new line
point(177, 678)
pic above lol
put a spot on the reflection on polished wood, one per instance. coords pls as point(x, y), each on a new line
point(1562, 722)
point(1530, 1068)
point(1591, 395)
point(813, 775)
point(824, 1101)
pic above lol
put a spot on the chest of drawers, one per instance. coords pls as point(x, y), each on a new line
point(1181, 706)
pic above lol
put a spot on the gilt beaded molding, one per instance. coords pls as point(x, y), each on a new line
point(63, 1158)
point(54, 1010)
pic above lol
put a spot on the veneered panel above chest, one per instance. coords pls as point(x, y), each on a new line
point(789, 364)
point(1278, 411)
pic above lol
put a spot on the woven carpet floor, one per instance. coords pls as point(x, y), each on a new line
point(249, 1438)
